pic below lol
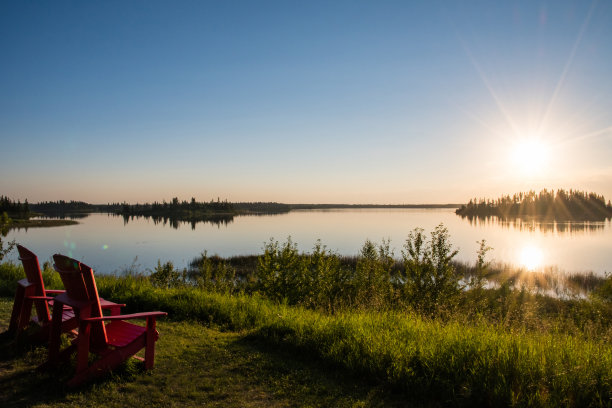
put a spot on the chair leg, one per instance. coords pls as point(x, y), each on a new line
point(150, 343)
point(17, 306)
point(83, 347)
point(26, 312)
point(63, 355)
point(55, 335)
point(104, 364)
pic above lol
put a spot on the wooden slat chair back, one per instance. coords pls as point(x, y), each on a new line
point(113, 342)
point(31, 292)
point(80, 285)
point(72, 278)
point(33, 273)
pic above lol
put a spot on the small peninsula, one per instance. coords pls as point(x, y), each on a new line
point(561, 205)
point(17, 215)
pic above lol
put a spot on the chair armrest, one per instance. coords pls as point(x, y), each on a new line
point(54, 291)
point(107, 304)
point(125, 317)
point(40, 297)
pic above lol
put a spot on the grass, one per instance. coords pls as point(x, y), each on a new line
point(195, 366)
point(449, 361)
point(452, 362)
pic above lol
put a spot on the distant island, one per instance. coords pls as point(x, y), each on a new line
point(173, 212)
point(15, 214)
point(561, 205)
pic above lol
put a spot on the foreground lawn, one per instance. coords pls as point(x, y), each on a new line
point(271, 354)
point(451, 362)
point(195, 366)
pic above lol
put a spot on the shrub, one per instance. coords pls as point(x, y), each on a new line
point(372, 278)
point(280, 272)
point(165, 276)
point(4, 251)
point(604, 292)
point(430, 280)
point(327, 280)
point(214, 276)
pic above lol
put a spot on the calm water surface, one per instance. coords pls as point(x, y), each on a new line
point(108, 244)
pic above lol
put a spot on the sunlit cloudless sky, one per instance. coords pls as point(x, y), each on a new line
point(304, 101)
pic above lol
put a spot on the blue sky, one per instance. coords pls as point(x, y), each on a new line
point(292, 101)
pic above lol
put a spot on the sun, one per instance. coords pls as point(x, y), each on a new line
point(530, 156)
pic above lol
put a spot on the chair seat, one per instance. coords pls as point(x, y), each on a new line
point(67, 314)
point(121, 333)
point(115, 308)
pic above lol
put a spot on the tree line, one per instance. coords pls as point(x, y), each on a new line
point(175, 207)
point(548, 204)
point(178, 208)
point(172, 212)
point(14, 209)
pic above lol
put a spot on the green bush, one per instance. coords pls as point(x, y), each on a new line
point(431, 282)
point(9, 247)
point(328, 281)
point(165, 276)
point(372, 279)
point(604, 292)
point(10, 274)
point(214, 276)
point(281, 272)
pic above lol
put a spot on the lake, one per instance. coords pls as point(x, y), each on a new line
point(108, 244)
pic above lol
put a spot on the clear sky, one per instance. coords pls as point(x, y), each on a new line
point(304, 101)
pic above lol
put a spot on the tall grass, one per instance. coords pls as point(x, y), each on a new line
point(428, 359)
point(450, 361)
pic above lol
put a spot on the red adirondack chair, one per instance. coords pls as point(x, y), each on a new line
point(113, 342)
point(31, 292)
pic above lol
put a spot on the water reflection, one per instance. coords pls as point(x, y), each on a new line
point(531, 257)
point(175, 223)
point(519, 224)
point(111, 242)
point(63, 215)
point(547, 227)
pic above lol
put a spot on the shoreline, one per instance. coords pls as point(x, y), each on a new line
point(18, 224)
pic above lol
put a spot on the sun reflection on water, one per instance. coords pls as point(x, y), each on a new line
point(531, 257)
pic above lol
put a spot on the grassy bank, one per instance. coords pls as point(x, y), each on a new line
point(195, 366)
point(450, 360)
point(456, 362)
